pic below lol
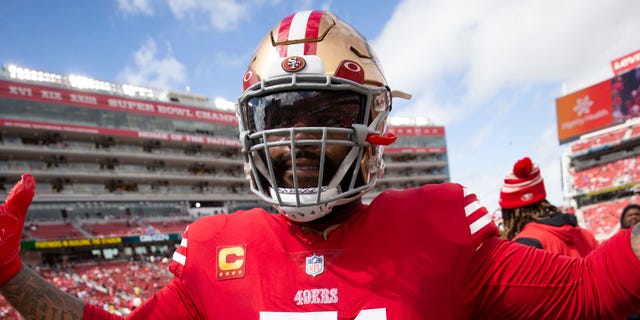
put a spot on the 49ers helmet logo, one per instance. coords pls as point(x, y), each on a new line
point(293, 64)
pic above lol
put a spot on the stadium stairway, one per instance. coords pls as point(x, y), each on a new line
point(84, 232)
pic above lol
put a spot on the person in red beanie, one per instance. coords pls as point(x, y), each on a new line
point(529, 218)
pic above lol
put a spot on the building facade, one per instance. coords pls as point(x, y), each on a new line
point(108, 151)
point(99, 148)
point(419, 156)
point(601, 175)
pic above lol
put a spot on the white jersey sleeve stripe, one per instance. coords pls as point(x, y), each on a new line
point(480, 223)
point(472, 207)
point(179, 258)
point(477, 215)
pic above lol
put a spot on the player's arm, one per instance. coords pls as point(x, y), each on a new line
point(28, 292)
point(36, 298)
point(519, 282)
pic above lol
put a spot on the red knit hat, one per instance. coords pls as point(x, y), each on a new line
point(522, 187)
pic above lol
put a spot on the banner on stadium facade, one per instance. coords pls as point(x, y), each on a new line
point(67, 243)
point(415, 150)
point(24, 91)
point(431, 136)
point(420, 131)
point(169, 136)
point(626, 63)
point(599, 106)
point(86, 242)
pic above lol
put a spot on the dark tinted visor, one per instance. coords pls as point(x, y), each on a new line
point(339, 109)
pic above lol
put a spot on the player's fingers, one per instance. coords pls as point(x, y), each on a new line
point(20, 196)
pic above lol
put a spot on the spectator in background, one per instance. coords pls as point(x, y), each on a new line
point(630, 216)
point(530, 219)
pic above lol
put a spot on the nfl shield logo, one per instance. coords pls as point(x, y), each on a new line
point(315, 265)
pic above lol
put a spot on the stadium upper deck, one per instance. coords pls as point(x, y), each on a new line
point(418, 157)
point(99, 148)
point(601, 167)
point(95, 146)
point(602, 175)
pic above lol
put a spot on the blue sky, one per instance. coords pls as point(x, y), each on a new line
point(488, 70)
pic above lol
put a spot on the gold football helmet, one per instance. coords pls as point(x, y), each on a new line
point(313, 83)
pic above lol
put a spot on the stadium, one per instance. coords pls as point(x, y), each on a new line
point(121, 170)
point(600, 125)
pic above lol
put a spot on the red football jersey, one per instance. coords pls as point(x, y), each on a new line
point(423, 253)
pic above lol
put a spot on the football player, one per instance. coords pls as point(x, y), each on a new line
point(312, 128)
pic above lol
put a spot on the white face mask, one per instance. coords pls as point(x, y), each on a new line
point(335, 119)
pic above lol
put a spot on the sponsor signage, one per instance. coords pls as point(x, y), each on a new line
point(170, 136)
point(19, 90)
point(158, 237)
point(67, 243)
point(626, 63)
point(584, 111)
point(154, 237)
point(599, 106)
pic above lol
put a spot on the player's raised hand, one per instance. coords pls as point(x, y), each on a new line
point(12, 214)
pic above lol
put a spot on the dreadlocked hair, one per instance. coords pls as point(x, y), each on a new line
point(515, 219)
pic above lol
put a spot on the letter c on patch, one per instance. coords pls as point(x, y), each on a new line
point(230, 258)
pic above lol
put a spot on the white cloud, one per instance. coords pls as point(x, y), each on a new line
point(549, 160)
point(500, 44)
point(490, 72)
point(221, 15)
point(425, 105)
point(150, 69)
point(134, 7)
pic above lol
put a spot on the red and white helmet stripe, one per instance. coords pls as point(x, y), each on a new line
point(296, 27)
